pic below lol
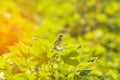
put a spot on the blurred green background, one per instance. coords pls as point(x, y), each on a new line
point(94, 24)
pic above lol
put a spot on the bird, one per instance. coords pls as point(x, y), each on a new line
point(58, 41)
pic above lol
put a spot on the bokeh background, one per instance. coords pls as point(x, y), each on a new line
point(94, 24)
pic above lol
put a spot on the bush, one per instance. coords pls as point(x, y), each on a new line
point(59, 40)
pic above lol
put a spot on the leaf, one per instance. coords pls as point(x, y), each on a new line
point(30, 76)
point(100, 77)
point(71, 58)
point(92, 59)
point(51, 54)
point(73, 54)
point(24, 50)
point(84, 72)
point(60, 78)
point(77, 77)
point(41, 59)
point(32, 62)
point(73, 62)
point(69, 61)
point(2, 62)
point(16, 69)
point(20, 76)
point(37, 48)
point(40, 46)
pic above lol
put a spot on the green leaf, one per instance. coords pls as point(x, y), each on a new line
point(73, 54)
point(32, 62)
point(71, 58)
point(60, 78)
point(70, 61)
point(30, 76)
point(20, 76)
point(51, 54)
point(92, 59)
point(2, 63)
point(100, 77)
point(77, 77)
point(84, 72)
point(40, 46)
point(73, 62)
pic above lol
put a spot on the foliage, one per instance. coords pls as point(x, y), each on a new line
point(59, 40)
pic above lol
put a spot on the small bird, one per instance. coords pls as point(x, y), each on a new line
point(58, 41)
